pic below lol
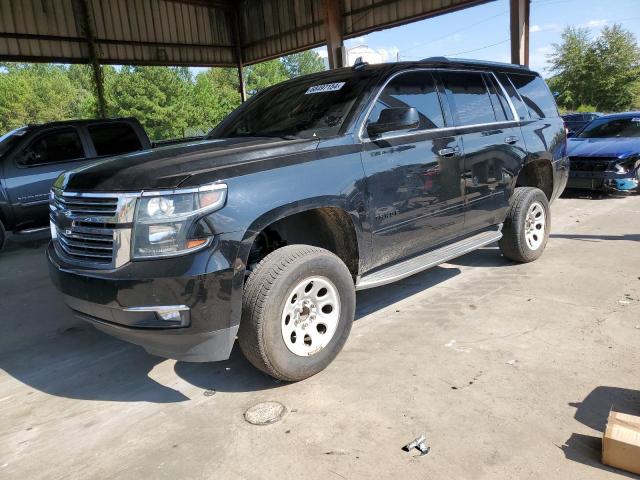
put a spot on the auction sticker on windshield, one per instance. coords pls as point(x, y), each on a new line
point(327, 87)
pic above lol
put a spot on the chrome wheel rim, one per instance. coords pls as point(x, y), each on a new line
point(310, 316)
point(534, 226)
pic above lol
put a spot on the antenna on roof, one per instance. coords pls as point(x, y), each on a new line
point(359, 64)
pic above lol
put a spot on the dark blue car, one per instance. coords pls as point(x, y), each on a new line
point(605, 155)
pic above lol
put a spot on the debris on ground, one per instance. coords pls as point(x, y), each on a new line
point(453, 345)
point(420, 443)
point(265, 413)
point(511, 362)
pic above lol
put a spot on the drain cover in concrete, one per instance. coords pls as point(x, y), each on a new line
point(265, 413)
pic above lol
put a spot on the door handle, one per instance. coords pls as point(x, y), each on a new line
point(511, 140)
point(449, 152)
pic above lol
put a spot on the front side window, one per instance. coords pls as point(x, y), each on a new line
point(54, 147)
point(535, 94)
point(412, 89)
point(315, 107)
point(114, 139)
point(469, 97)
point(612, 127)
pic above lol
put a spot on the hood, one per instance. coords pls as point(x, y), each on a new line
point(173, 165)
point(603, 147)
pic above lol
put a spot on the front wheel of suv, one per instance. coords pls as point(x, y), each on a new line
point(297, 311)
point(526, 229)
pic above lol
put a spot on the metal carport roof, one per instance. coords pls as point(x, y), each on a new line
point(193, 32)
point(209, 32)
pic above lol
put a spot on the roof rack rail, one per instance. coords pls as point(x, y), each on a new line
point(475, 62)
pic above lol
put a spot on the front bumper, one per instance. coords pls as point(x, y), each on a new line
point(195, 293)
point(607, 179)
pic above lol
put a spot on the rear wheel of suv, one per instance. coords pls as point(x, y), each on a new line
point(298, 307)
point(526, 229)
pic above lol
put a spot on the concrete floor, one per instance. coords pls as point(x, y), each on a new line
point(510, 370)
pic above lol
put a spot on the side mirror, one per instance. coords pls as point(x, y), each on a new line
point(394, 119)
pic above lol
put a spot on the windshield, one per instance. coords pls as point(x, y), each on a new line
point(9, 139)
point(612, 127)
point(307, 108)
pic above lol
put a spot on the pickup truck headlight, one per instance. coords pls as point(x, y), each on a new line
point(169, 224)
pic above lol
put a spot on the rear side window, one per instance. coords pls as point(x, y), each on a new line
point(469, 97)
point(500, 106)
point(535, 94)
point(54, 147)
point(518, 104)
point(413, 89)
point(114, 139)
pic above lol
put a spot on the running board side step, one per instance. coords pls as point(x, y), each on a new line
point(414, 265)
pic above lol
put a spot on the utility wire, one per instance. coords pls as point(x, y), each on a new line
point(469, 51)
point(457, 31)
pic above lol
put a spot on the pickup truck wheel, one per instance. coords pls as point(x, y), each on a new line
point(298, 307)
point(526, 229)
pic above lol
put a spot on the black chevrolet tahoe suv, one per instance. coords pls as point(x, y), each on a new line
point(32, 157)
point(313, 189)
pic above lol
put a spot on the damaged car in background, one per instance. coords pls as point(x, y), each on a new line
point(605, 155)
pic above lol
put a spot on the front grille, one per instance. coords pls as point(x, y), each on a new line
point(590, 164)
point(92, 229)
point(91, 244)
point(88, 206)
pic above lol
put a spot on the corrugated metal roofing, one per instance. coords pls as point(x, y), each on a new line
point(188, 32)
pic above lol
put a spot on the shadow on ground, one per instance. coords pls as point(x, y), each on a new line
point(593, 412)
point(630, 237)
point(75, 361)
point(585, 194)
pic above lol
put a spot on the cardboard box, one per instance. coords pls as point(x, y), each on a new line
point(621, 442)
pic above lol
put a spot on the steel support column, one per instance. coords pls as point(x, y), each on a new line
point(519, 12)
point(86, 27)
point(334, 33)
point(239, 62)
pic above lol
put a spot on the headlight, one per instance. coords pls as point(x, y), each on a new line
point(168, 224)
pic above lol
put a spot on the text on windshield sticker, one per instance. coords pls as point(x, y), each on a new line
point(327, 87)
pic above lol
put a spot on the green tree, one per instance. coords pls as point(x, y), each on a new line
point(303, 63)
point(157, 96)
point(263, 75)
point(31, 93)
point(603, 72)
point(215, 94)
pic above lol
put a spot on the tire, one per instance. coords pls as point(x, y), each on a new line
point(283, 299)
point(526, 229)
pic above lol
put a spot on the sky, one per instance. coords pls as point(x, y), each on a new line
point(482, 32)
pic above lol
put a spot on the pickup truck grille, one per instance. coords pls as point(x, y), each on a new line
point(92, 229)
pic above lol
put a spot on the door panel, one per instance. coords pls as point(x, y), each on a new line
point(415, 193)
point(492, 143)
